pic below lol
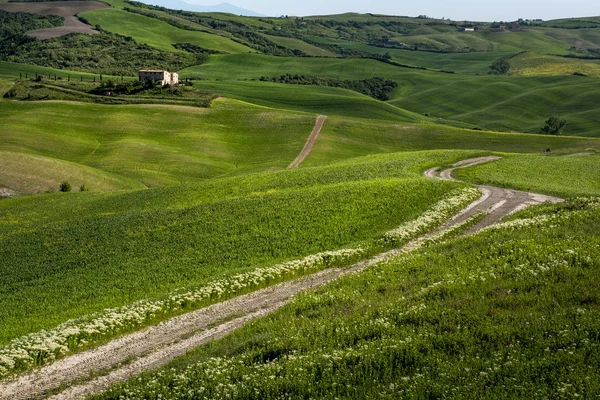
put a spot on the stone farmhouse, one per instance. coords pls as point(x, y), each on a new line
point(159, 76)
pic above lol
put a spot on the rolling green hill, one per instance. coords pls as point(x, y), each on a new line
point(154, 144)
point(157, 33)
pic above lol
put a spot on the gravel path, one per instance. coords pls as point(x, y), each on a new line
point(310, 142)
point(155, 346)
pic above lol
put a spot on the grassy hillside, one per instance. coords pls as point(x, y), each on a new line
point(513, 103)
point(157, 145)
point(561, 176)
point(140, 249)
point(343, 138)
point(157, 33)
point(27, 174)
point(492, 315)
point(312, 99)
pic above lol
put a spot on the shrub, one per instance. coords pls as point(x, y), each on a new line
point(65, 186)
point(554, 125)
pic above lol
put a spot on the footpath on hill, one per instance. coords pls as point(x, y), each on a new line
point(310, 142)
point(155, 346)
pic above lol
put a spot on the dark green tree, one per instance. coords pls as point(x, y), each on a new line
point(554, 125)
point(499, 67)
point(65, 186)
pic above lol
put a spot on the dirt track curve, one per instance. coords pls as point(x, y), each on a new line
point(310, 142)
point(155, 346)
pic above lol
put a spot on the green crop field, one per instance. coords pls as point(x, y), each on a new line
point(493, 315)
point(343, 138)
point(154, 144)
point(200, 233)
point(564, 176)
point(182, 197)
point(157, 33)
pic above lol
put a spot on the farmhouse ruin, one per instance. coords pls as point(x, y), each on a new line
point(159, 76)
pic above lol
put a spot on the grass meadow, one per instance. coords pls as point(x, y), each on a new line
point(157, 33)
point(156, 144)
point(146, 244)
point(565, 176)
point(492, 315)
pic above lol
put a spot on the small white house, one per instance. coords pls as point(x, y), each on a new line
point(159, 76)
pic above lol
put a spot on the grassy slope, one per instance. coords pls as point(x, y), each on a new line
point(513, 103)
point(28, 174)
point(345, 138)
point(138, 249)
point(561, 176)
point(157, 145)
point(12, 70)
point(495, 315)
point(312, 99)
point(530, 64)
point(158, 33)
point(491, 102)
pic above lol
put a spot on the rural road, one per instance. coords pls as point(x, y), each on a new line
point(310, 142)
point(157, 345)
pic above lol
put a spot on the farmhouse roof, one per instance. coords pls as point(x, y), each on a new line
point(153, 70)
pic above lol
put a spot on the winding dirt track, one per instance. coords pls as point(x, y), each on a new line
point(310, 142)
point(159, 344)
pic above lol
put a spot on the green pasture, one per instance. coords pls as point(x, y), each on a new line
point(157, 144)
point(343, 138)
point(519, 104)
point(15, 70)
point(504, 314)
point(138, 253)
point(301, 45)
point(461, 62)
point(531, 64)
point(158, 33)
point(311, 99)
point(407, 165)
point(28, 174)
point(565, 176)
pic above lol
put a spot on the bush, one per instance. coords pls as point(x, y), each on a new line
point(554, 125)
point(83, 188)
point(65, 187)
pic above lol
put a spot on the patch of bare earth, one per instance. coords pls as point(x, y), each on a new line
point(66, 9)
point(155, 346)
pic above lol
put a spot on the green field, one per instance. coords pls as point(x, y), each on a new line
point(343, 138)
point(564, 176)
point(153, 144)
point(158, 33)
point(146, 244)
point(190, 202)
point(493, 315)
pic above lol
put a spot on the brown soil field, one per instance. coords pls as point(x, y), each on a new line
point(66, 9)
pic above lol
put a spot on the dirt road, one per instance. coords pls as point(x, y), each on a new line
point(157, 345)
point(310, 142)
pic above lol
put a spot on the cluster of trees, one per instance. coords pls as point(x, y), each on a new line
point(14, 24)
point(499, 67)
point(378, 88)
point(554, 125)
point(105, 53)
point(237, 31)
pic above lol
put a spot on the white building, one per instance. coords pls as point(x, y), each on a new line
point(159, 76)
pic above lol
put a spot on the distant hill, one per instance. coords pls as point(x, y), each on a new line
point(222, 8)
